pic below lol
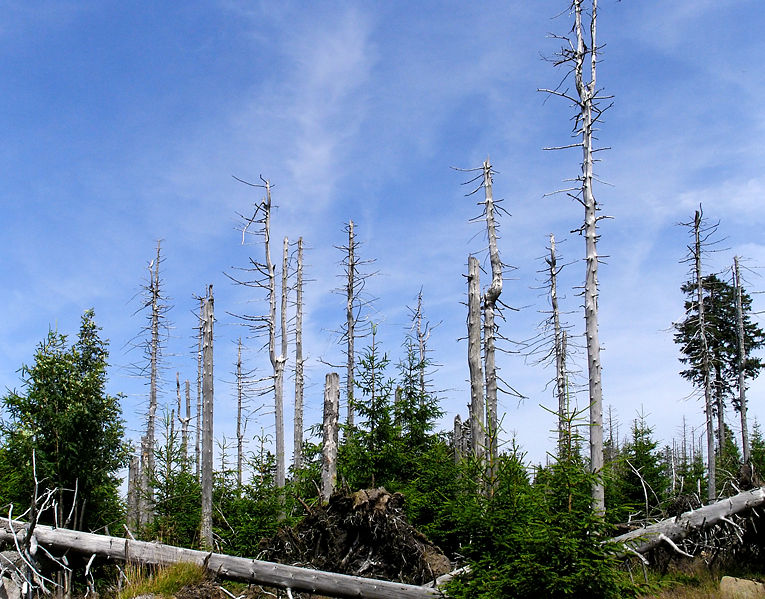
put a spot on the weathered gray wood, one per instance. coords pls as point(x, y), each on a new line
point(235, 568)
point(677, 528)
point(239, 427)
point(281, 361)
point(299, 362)
point(559, 341)
point(134, 473)
point(350, 322)
point(489, 328)
point(207, 420)
point(741, 360)
point(706, 367)
point(477, 405)
point(329, 447)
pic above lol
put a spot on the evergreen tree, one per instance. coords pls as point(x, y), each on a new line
point(65, 417)
point(720, 314)
point(369, 455)
point(757, 451)
point(644, 482)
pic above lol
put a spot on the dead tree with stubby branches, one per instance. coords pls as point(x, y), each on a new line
point(355, 278)
point(208, 319)
point(151, 340)
point(261, 275)
point(579, 56)
point(483, 312)
point(551, 345)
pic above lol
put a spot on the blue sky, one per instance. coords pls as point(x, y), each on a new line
point(123, 123)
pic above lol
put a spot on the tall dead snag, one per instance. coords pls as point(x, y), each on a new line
point(350, 322)
point(262, 275)
point(741, 361)
point(155, 306)
point(423, 334)
point(239, 424)
point(133, 515)
point(706, 366)
point(198, 446)
point(355, 281)
point(207, 420)
point(299, 363)
point(477, 404)
point(490, 299)
point(278, 364)
point(330, 429)
point(580, 55)
point(559, 341)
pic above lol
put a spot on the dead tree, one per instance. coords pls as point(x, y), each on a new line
point(134, 477)
point(700, 235)
point(278, 363)
point(355, 302)
point(559, 341)
point(477, 404)
point(198, 447)
point(350, 321)
point(741, 360)
point(239, 423)
point(291, 578)
point(299, 362)
point(490, 298)
point(151, 342)
point(330, 430)
point(185, 422)
point(580, 55)
point(262, 275)
point(207, 420)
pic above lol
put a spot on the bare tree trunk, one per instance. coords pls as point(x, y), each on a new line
point(329, 448)
point(198, 448)
point(457, 439)
point(185, 428)
point(207, 421)
point(575, 53)
point(677, 528)
point(239, 427)
point(586, 92)
point(350, 323)
point(279, 376)
point(741, 360)
point(145, 504)
point(477, 405)
point(422, 337)
point(298, 421)
point(134, 475)
point(282, 576)
point(559, 339)
point(705, 362)
point(154, 293)
point(490, 330)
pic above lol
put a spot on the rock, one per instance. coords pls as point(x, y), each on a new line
point(9, 589)
point(741, 588)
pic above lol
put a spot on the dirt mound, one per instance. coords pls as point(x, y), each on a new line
point(362, 534)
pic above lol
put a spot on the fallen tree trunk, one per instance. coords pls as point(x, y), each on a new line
point(675, 529)
point(235, 568)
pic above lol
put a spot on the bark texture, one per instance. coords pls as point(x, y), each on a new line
point(207, 421)
point(477, 403)
point(330, 429)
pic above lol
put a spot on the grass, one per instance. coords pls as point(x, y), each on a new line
point(163, 582)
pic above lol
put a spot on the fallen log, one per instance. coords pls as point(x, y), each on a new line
point(235, 568)
point(677, 528)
